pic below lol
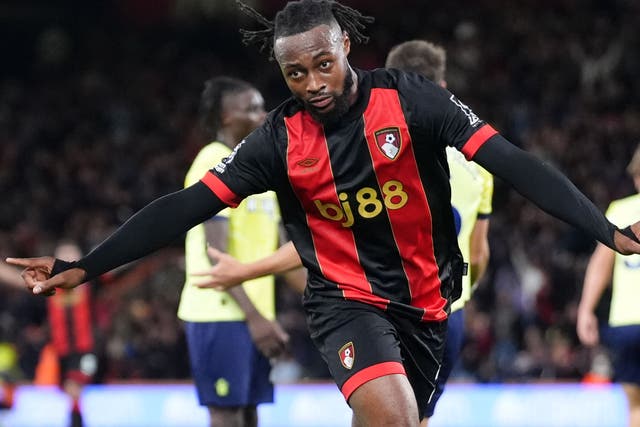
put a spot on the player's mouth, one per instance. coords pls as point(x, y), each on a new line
point(321, 103)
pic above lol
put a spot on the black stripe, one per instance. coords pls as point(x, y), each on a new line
point(379, 256)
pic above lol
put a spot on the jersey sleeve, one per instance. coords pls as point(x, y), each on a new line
point(485, 208)
point(247, 170)
point(209, 156)
point(442, 117)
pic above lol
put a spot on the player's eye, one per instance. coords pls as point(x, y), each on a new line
point(294, 74)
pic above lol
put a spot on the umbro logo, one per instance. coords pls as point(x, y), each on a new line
point(308, 162)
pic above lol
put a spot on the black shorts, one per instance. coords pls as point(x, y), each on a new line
point(360, 342)
point(78, 367)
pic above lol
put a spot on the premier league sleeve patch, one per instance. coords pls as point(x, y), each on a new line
point(389, 141)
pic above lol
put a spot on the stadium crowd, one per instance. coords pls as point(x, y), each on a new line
point(98, 117)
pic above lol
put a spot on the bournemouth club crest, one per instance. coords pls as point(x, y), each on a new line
point(389, 141)
point(347, 355)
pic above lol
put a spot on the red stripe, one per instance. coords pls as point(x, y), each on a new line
point(220, 189)
point(370, 373)
point(82, 320)
point(413, 238)
point(334, 244)
point(471, 147)
point(58, 322)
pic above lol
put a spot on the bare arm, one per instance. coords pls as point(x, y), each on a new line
point(10, 276)
point(479, 257)
point(597, 277)
point(229, 272)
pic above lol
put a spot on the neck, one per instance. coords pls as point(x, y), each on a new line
point(353, 90)
point(227, 138)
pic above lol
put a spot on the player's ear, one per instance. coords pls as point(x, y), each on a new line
point(346, 43)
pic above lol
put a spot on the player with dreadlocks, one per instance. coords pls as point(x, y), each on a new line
point(357, 159)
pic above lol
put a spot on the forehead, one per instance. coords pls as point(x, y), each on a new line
point(291, 49)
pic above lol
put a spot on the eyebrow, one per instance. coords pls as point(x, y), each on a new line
point(316, 56)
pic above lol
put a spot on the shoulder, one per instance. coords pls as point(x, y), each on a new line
point(626, 203)
point(624, 211)
point(209, 155)
point(215, 150)
point(393, 78)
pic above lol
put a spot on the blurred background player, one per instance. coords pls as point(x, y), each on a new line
point(471, 193)
point(621, 332)
point(71, 358)
point(72, 335)
point(231, 335)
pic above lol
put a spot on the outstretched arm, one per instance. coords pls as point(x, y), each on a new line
point(554, 193)
point(229, 272)
point(153, 227)
point(10, 276)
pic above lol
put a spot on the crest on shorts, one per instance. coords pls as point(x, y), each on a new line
point(389, 141)
point(347, 355)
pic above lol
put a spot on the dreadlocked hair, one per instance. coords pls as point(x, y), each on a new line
point(210, 109)
point(300, 16)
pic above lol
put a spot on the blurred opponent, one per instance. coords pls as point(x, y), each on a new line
point(231, 335)
point(621, 333)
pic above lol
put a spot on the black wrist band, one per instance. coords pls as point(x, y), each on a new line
point(629, 233)
point(59, 266)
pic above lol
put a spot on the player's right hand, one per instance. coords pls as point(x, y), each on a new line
point(226, 272)
point(37, 275)
point(587, 328)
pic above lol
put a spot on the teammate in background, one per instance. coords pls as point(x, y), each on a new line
point(231, 335)
point(70, 359)
point(375, 230)
point(621, 334)
point(71, 333)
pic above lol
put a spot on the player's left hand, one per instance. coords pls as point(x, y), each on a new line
point(625, 244)
point(587, 328)
point(267, 335)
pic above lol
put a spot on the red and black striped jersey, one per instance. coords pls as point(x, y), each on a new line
point(366, 201)
point(70, 321)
